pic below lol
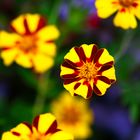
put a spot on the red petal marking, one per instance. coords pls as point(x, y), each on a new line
point(69, 64)
point(81, 54)
point(112, 81)
point(77, 85)
point(15, 133)
point(75, 94)
point(68, 81)
point(135, 4)
point(94, 51)
point(98, 54)
point(52, 128)
point(69, 76)
point(96, 90)
point(6, 48)
point(13, 29)
point(35, 122)
point(109, 63)
point(104, 68)
point(27, 30)
point(49, 41)
point(41, 23)
point(89, 93)
point(98, 65)
point(28, 125)
point(104, 79)
point(95, 80)
point(123, 10)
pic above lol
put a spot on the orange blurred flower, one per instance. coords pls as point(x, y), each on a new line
point(73, 115)
point(30, 44)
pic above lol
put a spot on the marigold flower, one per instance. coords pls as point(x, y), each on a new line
point(86, 69)
point(44, 127)
point(73, 115)
point(128, 10)
point(30, 44)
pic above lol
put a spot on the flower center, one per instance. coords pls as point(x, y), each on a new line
point(28, 43)
point(37, 136)
point(70, 116)
point(88, 71)
point(126, 3)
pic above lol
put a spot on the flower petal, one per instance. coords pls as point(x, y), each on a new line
point(27, 23)
point(101, 86)
point(8, 40)
point(48, 33)
point(61, 135)
point(46, 48)
point(65, 70)
point(77, 87)
point(84, 91)
point(70, 87)
point(18, 25)
point(44, 122)
point(24, 60)
point(89, 50)
point(41, 63)
point(9, 136)
point(125, 19)
point(9, 55)
point(104, 57)
point(72, 56)
point(23, 129)
point(110, 73)
point(105, 8)
point(34, 21)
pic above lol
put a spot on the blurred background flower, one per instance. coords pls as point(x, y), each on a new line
point(30, 44)
point(74, 115)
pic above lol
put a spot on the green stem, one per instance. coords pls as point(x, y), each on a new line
point(54, 12)
point(124, 45)
point(41, 95)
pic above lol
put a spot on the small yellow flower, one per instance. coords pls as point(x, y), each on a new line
point(86, 69)
point(127, 11)
point(44, 127)
point(73, 115)
point(30, 44)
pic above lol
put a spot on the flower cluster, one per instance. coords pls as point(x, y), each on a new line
point(30, 44)
point(44, 127)
point(86, 69)
point(128, 10)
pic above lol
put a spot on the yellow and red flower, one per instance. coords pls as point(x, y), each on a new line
point(30, 44)
point(44, 127)
point(128, 10)
point(73, 115)
point(86, 69)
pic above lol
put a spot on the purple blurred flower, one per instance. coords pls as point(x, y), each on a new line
point(113, 93)
point(64, 11)
point(85, 4)
point(137, 135)
point(113, 119)
point(135, 53)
